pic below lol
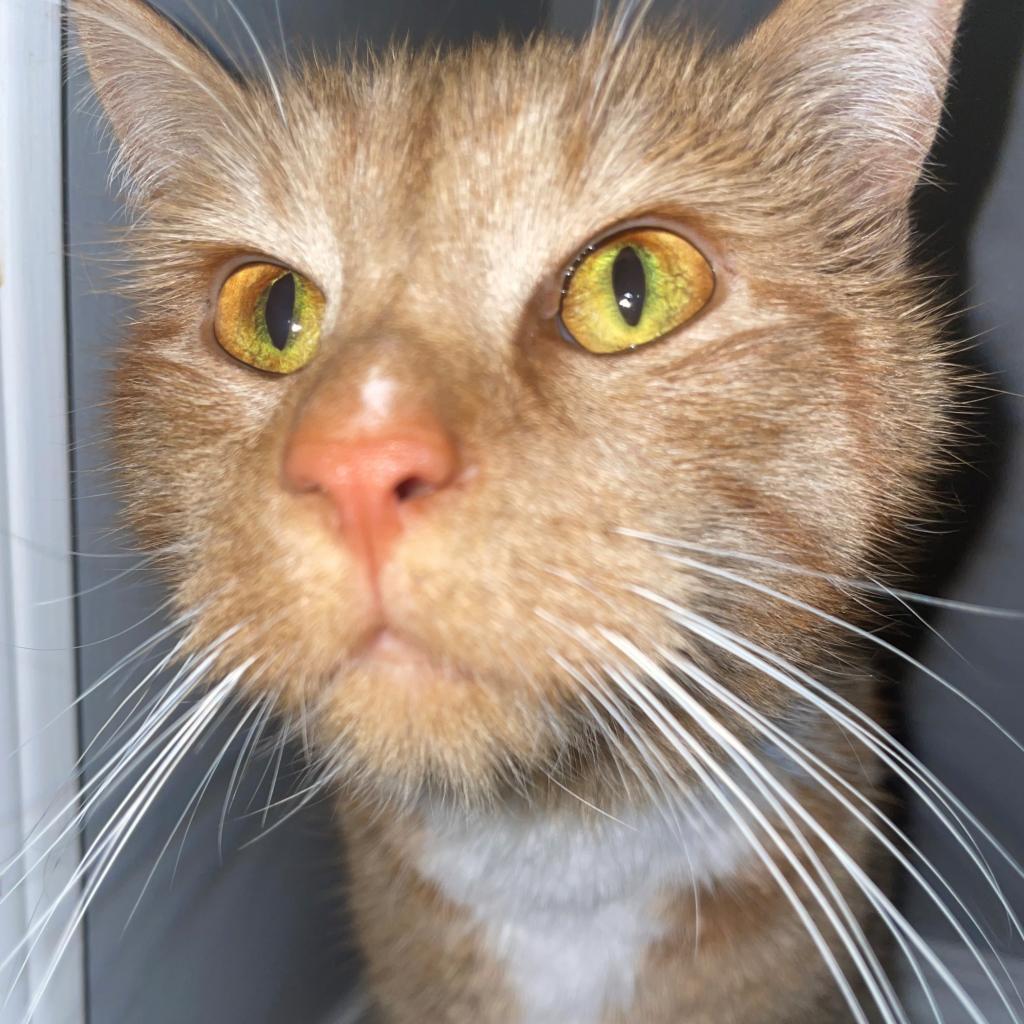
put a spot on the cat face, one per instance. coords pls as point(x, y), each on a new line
point(422, 540)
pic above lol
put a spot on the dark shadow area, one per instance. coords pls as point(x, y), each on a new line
point(965, 159)
point(964, 163)
point(299, 26)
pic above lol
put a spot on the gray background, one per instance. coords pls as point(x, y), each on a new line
point(250, 934)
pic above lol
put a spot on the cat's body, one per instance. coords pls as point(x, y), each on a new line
point(568, 630)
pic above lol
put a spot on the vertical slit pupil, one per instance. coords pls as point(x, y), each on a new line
point(279, 313)
point(630, 285)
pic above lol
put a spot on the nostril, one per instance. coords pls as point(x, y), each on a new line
point(301, 483)
point(413, 487)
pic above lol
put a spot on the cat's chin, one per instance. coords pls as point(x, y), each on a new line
point(398, 713)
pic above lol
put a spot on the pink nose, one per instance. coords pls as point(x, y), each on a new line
point(373, 480)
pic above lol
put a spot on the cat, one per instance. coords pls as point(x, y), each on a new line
point(526, 425)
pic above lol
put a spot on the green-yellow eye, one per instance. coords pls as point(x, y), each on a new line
point(269, 317)
point(634, 288)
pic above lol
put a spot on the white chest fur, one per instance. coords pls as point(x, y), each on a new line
point(569, 906)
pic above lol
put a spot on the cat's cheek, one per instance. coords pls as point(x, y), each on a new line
point(508, 594)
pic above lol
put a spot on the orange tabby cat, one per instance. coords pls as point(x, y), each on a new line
point(515, 418)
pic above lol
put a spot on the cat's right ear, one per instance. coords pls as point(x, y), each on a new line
point(167, 100)
point(862, 84)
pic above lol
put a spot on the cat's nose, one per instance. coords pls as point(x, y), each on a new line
point(373, 481)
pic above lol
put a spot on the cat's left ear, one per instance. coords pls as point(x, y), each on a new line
point(167, 100)
point(866, 78)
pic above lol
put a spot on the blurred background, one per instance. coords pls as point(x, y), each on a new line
point(231, 930)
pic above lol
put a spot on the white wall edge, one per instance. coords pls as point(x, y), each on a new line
point(38, 716)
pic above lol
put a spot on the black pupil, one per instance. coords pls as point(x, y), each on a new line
point(630, 285)
point(280, 311)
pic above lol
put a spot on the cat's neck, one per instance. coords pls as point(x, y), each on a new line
point(566, 858)
point(570, 902)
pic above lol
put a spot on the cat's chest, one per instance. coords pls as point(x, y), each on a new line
point(569, 908)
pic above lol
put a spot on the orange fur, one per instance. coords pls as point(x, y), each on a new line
point(436, 200)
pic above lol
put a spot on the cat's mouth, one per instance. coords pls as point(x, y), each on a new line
point(395, 657)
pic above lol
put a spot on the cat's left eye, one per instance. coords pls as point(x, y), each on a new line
point(634, 288)
point(269, 317)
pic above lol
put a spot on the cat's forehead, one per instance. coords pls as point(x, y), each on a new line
point(492, 166)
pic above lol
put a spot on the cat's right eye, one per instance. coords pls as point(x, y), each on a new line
point(634, 288)
point(269, 317)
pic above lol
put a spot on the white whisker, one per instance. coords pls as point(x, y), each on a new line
point(282, 743)
point(701, 764)
point(864, 634)
point(668, 801)
point(845, 925)
point(695, 756)
point(103, 780)
point(261, 54)
point(116, 832)
point(193, 802)
point(814, 767)
point(587, 803)
point(265, 707)
point(869, 586)
point(77, 594)
point(893, 754)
